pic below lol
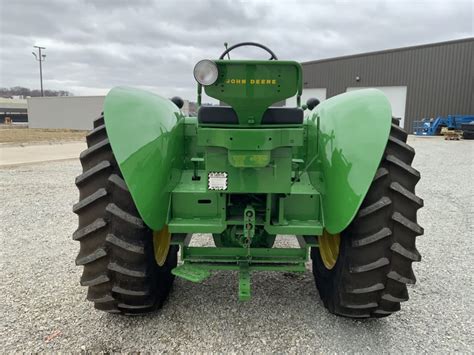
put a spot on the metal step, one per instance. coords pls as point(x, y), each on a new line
point(191, 272)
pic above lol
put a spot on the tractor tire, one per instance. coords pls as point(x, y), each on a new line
point(377, 249)
point(116, 247)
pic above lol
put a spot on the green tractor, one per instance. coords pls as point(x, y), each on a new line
point(335, 176)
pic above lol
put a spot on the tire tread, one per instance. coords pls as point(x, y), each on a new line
point(378, 248)
point(116, 248)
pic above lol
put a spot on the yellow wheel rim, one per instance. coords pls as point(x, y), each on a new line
point(329, 248)
point(161, 245)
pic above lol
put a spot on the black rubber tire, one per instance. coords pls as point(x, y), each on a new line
point(468, 134)
point(378, 247)
point(467, 127)
point(116, 247)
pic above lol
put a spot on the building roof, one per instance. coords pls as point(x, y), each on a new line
point(468, 39)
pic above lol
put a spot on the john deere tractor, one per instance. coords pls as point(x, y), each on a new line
point(335, 176)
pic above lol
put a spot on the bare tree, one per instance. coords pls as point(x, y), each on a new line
point(22, 91)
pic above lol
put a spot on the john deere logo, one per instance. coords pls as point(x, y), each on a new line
point(251, 81)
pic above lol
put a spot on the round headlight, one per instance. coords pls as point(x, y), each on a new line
point(205, 72)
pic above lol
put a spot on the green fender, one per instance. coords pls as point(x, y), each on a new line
point(146, 133)
point(348, 134)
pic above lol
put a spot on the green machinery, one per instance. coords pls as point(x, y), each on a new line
point(336, 176)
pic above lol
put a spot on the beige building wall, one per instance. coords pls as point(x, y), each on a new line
point(72, 112)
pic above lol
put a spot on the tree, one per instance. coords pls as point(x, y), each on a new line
point(22, 91)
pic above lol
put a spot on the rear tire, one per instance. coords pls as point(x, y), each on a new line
point(116, 247)
point(378, 248)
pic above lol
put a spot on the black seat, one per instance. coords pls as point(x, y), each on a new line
point(217, 114)
point(283, 115)
point(227, 115)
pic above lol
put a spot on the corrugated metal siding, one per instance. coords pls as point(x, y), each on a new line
point(439, 77)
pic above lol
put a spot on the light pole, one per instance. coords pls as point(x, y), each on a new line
point(40, 58)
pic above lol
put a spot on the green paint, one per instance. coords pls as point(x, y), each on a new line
point(200, 261)
point(244, 282)
point(249, 159)
point(251, 86)
point(236, 255)
point(281, 179)
point(191, 272)
point(249, 226)
point(352, 135)
point(146, 134)
point(259, 139)
point(232, 236)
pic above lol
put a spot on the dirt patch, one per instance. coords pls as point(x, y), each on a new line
point(31, 135)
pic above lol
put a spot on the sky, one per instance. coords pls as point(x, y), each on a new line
point(92, 45)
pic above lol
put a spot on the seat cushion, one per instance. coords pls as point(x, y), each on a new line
point(217, 114)
point(283, 115)
point(227, 115)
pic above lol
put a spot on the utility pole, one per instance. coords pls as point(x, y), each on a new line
point(40, 58)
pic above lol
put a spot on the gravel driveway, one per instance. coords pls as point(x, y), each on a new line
point(43, 307)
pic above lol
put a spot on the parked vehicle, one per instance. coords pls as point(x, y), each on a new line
point(335, 175)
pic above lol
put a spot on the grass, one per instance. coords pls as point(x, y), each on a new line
point(19, 134)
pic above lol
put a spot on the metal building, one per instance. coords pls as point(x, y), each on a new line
point(13, 109)
point(70, 112)
point(420, 81)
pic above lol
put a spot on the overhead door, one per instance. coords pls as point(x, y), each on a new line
point(397, 95)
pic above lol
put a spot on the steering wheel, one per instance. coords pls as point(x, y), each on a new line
point(273, 56)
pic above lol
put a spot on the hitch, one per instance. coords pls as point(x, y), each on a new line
point(198, 262)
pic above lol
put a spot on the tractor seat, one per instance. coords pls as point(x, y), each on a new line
point(227, 115)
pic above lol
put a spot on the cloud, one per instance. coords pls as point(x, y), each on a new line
point(95, 45)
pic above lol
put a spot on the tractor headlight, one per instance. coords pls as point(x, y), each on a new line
point(205, 72)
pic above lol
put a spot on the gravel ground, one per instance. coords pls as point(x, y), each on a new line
point(44, 308)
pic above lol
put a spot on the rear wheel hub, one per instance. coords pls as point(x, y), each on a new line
point(161, 245)
point(329, 248)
